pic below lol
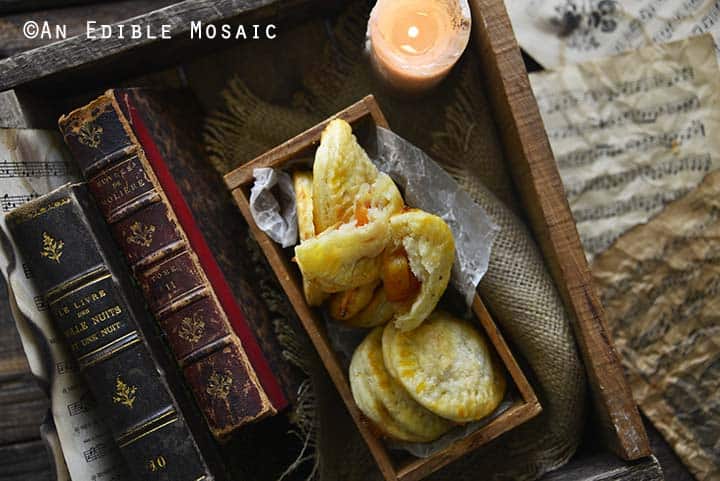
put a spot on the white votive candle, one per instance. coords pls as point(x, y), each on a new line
point(415, 43)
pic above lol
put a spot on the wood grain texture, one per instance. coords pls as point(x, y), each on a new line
point(536, 176)
point(606, 467)
point(523, 409)
point(82, 58)
point(74, 18)
point(26, 461)
point(12, 6)
point(23, 404)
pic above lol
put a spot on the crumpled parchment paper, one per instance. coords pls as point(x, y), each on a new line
point(272, 204)
point(426, 185)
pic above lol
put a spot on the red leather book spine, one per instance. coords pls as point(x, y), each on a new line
point(180, 293)
point(207, 260)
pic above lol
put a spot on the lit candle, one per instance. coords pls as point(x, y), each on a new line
point(415, 43)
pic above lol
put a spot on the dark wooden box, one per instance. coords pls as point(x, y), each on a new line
point(393, 468)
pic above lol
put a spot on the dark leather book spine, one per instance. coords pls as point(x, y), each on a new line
point(175, 285)
point(65, 244)
point(168, 124)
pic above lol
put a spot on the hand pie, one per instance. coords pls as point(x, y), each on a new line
point(424, 243)
point(302, 183)
point(378, 312)
point(385, 402)
point(343, 258)
point(340, 169)
point(446, 366)
point(345, 305)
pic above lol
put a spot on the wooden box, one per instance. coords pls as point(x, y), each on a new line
point(45, 78)
point(393, 467)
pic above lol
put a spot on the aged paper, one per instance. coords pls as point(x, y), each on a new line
point(632, 132)
point(560, 32)
point(660, 284)
point(32, 163)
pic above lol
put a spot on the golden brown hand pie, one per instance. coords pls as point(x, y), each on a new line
point(343, 258)
point(346, 185)
point(445, 364)
point(378, 312)
point(340, 170)
point(302, 183)
point(303, 186)
point(427, 243)
point(385, 402)
point(345, 305)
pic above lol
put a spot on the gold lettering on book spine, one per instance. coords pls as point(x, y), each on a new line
point(124, 394)
point(52, 248)
point(192, 328)
point(90, 134)
point(219, 384)
point(141, 234)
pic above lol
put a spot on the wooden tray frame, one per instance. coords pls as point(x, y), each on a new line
point(65, 67)
point(524, 408)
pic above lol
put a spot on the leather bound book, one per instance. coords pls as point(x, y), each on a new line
point(65, 244)
point(168, 123)
point(171, 262)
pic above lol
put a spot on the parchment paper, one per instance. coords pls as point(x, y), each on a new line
point(32, 163)
point(631, 133)
point(660, 285)
point(272, 205)
point(561, 32)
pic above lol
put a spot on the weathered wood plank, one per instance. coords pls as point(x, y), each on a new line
point(73, 18)
point(606, 467)
point(97, 58)
point(23, 404)
point(28, 461)
point(536, 176)
point(12, 6)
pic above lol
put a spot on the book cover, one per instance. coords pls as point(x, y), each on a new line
point(168, 256)
point(94, 305)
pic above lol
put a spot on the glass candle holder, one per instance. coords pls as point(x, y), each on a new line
point(413, 44)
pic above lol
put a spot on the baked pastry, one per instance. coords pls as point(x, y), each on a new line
point(446, 366)
point(302, 184)
point(345, 305)
point(378, 312)
point(385, 402)
point(340, 170)
point(417, 264)
point(343, 258)
point(347, 187)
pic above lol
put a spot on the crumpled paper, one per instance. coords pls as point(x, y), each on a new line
point(427, 186)
point(274, 215)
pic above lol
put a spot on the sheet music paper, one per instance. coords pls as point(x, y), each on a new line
point(560, 32)
point(632, 133)
point(659, 284)
point(32, 163)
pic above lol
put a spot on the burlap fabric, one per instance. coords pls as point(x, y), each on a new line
point(454, 126)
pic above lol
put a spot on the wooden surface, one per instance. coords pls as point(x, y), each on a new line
point(11, 6)
point(606, 467)
point(514, 82)
point(537, 179)
point(73, 17)
point(82, 61)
